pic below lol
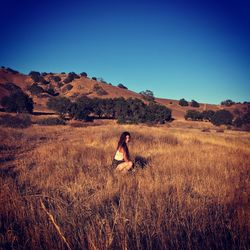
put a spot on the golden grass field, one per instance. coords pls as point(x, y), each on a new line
point(58, 191)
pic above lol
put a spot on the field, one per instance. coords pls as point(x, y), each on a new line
point(58, 192)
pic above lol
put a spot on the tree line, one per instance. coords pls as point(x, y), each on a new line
point(124, 110)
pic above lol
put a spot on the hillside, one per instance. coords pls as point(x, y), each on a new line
point(82, 85)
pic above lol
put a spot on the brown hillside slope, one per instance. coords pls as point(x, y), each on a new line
point(86, 86)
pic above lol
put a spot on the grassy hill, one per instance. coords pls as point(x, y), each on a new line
point(82, 85)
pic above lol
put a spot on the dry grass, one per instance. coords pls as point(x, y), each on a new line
point(193, 193)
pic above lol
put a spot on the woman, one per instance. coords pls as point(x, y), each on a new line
point(121, 161)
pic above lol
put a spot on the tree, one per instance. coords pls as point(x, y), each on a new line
point(183, 102)
point(208, 114)
point(18, 102)
point(59, 104)
point(157, 113)
point(121, 86)
point(227, 102)
point(195, 104)
point(148, 95)
point(193, 115)
point(35, 89)
point(222, 117)
point(83, 74)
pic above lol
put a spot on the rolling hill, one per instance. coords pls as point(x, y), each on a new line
point(43, 86)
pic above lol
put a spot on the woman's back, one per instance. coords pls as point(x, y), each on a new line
point(119, 155)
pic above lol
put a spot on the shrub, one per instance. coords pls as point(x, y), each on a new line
point(18, 102)
point(94, 78)
point(222, 117)
point(71, 76)
point(12, 71)
point(121, 86)
point(183, 102)
point(99, 90)
point(19, 121)
point(51, 121)
point(83, 74)
point(193, 115)
point(35, 76)
point(67, 87)
point(56, 78)
point(227, 103)
point(35, 89)
point(195, 104)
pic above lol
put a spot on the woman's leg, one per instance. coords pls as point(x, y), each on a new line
point(125, 166)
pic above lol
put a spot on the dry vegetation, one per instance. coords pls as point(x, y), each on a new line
point(57, 189)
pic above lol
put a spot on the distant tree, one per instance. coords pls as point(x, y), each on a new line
point(71, 77)
point(148, 95)
point(193, 115)
point(17, 102)
point(99, 90)
point(83, 74)
point(56, 78)
point(246, 117)
point(121, 86)
point(157, 113)
point(227, 102)
point(238, 122)
point(67, 87)
point(183, 102)
point(51, 91)
point(35, 89)
point(82, 109)
point(94, 78)
point(35, 76)
point(195, 104)
point(59, 104)
point(208, 114)
point(222, 117)
point(12, 71)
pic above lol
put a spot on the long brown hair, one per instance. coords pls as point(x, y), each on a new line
point(122, 143)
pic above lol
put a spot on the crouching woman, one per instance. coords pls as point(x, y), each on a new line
point(121, 161)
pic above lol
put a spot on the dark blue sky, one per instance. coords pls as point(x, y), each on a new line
point(176, 49)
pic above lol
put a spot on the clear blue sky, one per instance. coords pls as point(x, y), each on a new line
point(175, 48)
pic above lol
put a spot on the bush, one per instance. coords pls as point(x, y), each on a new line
point(222, 117)
point(183, 102)
point(56, 78)
point(94, 78)
point(19, 121)
point(35, 76)
point(195, 104)
point(67, 87)
point(193, 115)
point(51, 121)
point(121, 86)
point(12, 71)
point(99, 90)
point(71, 76)
point(35, 89)
point(227, 103)
point(18, 102)
point(83, 74)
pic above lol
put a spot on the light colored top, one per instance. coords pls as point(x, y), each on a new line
point(119, 156)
